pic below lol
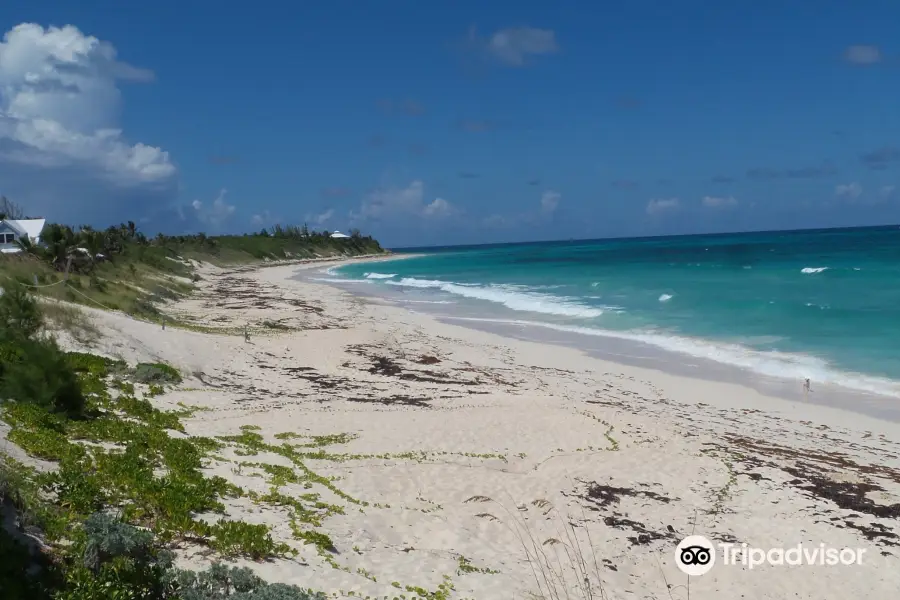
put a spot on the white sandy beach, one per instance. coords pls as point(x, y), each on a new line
point(462, 447)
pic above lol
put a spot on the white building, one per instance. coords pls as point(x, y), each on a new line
point(12, 230)
point(338, 234)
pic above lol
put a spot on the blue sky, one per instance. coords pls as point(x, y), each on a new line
point(453, 122)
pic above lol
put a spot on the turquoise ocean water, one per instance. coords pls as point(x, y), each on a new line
point(821, 304)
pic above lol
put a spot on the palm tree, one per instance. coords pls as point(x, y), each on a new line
point(59, 243)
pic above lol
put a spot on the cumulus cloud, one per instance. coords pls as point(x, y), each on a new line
point(848, 191)
point(514, 46)
point(438, 208)
point(662, 205)
point(59, 138)
point(406, 201)
point(216, 214)
point(719, 201)
point(862, 55)
point(550, 202)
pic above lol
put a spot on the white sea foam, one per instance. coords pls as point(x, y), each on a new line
point(514, 297)
point(665, 297)
point(379, 275)
point(338, 280)
point(811, 270)
point(771, 363)
point(819, 306)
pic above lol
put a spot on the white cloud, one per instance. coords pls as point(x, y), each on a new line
point(216, 214)
point(321, 218)
point(397, 202)
point(662, 205)
point(514, 45)
point(849, 191)
point(719, 201)
point(438, 208)
point(550, 202)
point(887, 191)
point(59, 105)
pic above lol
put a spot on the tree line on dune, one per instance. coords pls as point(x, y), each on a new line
point(82, 248)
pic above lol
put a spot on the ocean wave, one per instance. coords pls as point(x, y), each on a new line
point(811, 270)
point(771, 363)
point(513, 297)
point(665, 297)
point(379, 275)
point(338, 280)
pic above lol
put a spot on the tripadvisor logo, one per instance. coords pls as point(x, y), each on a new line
point(695, 555)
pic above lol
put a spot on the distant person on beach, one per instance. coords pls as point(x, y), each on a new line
point(806, 389)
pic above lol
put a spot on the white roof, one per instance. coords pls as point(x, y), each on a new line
point(338, 234)
point(30, 227)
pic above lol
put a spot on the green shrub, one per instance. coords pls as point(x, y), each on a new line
point(234, 538)
point(156, 373)
point(19, 312)
point(37, 372)
point(92, 364)
point(115, 560)
point(220, 582)
point(108, 538)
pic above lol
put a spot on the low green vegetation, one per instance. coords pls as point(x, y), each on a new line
point(125, 486)
point(120, 268)
point(155, 374)
point(112, 454)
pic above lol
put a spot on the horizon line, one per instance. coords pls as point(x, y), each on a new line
point(642, 237)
